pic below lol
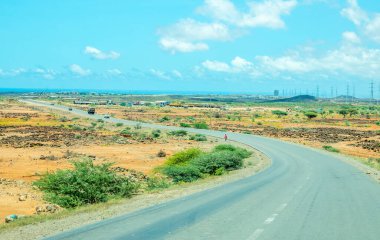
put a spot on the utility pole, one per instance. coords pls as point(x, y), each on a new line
point(317, 95)
point(372, 91)
point(347, 92)
point(332, 92)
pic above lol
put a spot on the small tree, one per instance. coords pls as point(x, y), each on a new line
point(353, 111)
point(279, 113)
point(311, 114)
point(343, 112)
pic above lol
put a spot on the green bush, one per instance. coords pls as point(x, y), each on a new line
point(279, 113)
point(330, 149)
point(198, 137)
point(183, 157)
point(191, 164)
point(244, 153)
point(311, 114)
point(76, 127)
point(157, 182)
point(185, 173)
point(210, 163)
point(156, 133)
point(186, 125)
point(178, 133)
point(164, 119)
point(200, 125)
point(119, 124)
point(85, 184)
point(127, 131)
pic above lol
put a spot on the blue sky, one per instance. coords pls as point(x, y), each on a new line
point(185, 45)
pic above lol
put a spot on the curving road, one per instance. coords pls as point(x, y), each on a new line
point(305, 194)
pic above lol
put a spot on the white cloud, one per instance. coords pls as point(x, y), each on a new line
point(159, 74)
point(367, 23)
point(76, 69)
point(354, 13)
point(188, 35)
point(222, 10)
point(351, 37)
point(346, 60)
point(98, 54)
point(17, 71)
point(175, 45)
point(237, 65)
point(267, 13)
point(177, 73)
point(241, 64)
point(114, 71)
point(292, 64)
point(191, 30)
point(372, 29)
point(216, 66)
point(45, 73)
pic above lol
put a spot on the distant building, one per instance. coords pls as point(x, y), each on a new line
point(276, 93)
point(161, 103)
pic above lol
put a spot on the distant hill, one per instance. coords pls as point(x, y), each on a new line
point(344, 97)
point(299, 98)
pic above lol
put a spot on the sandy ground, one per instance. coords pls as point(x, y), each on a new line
point(47, 228)
point(21, 165)
point(240, 119)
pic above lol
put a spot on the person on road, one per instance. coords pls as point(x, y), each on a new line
point(225, 137)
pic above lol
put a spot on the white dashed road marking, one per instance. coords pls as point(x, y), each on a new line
point(256, 234)
point(270, 219)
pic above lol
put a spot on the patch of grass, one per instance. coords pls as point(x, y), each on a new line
point(192, 164)
point(200, 125)
point(183, 157)
point(157, 183)
point(164, 119)
point(185, 125)
point(198, 137)
point(330, 149)
point(156, 133)
point(240, 151)
point(218, 161)
point(119, 124)
point(178, 133)
point(186, 173)
point(85, 184)
point(279, 113)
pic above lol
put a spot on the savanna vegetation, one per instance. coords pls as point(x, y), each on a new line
point(90, 183)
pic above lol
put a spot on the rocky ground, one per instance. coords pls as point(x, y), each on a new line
point(33, 142)
point(258, 162)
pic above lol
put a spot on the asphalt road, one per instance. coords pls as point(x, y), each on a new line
point(305, 194)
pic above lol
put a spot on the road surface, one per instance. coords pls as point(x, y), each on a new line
point(306, 194)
